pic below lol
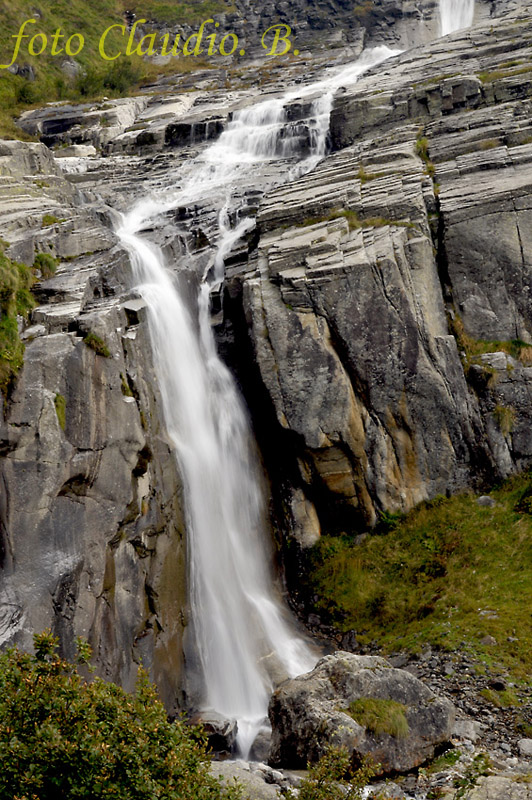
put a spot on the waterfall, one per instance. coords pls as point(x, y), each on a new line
point(245, 640)
point(455, 15)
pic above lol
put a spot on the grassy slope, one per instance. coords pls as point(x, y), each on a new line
point(450, 573)
point(15, 299)
point(90, 19)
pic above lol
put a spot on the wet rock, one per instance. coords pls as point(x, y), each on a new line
point(221, 732)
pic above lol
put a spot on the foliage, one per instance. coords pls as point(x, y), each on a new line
point(15, 300)
point(97, 344)
point(380, 716)
point(63, 737)
point(172, 13)
point(500, 699)
point(333, 779)
point(422, 149)
point(447, 759)
point(46, 263)
point(60, 407)
point(505, 416)
point(95, 77)
point(479, 766)
point(354, 221)
point(49, 219)
point(125, 387)
point(471, 348)
point(449, 574)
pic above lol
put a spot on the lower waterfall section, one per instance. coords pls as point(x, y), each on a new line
point(244, 639)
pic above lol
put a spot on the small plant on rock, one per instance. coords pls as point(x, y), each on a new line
point(46, 263)
point(97, 344)
point(332, 778)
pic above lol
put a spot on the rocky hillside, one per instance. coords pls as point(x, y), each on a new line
point(378, 319)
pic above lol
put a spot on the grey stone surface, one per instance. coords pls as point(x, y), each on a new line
point(308, 713)
point(91, 531)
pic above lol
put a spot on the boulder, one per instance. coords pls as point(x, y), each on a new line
point(312, 711)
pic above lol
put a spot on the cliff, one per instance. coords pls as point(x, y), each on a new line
point(378, 320)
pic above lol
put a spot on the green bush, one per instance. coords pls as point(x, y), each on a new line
point(333, 779)
point(15, 300)
point(46, 263)
point(63, 738)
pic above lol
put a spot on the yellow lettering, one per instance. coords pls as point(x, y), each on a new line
point(55, 42)
point(81, 44)
point(150, 51)
point(31, 46)
point(173, 51)
point(222, 44)
point(278, 38)
point(131, 40)
point(198, 36)
point(103, 37)
point(212, 45)
point(19, 37)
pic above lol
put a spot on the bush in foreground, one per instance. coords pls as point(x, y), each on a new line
point(63, 738)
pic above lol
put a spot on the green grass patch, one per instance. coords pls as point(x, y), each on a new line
point(503, 699)
point(449, 574)
point(49, 219)
point(97, 344)
point(173, 13)
point(422, 149)
point(353, 220)
point(472, 348)
point(380, 716)
point(60, 408)
point(46, 264)
point(443, 762)
point(124, 385)
point(96, 76)
point(499, 74)
point(16, 299)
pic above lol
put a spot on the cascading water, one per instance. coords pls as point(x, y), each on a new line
point(455, 15)
point(240, 626)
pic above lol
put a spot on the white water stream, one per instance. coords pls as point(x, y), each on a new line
point(243, 633)
point(455, 15)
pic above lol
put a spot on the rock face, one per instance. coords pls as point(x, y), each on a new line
point(90, 514)
point(357, 316)
point(388, 296)
point(311, 712)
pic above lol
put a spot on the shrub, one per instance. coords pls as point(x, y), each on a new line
point(63, 737)
point(49, 219)
point(97, 344)
point(46, 263)
point(15, 300)
point(332, 778)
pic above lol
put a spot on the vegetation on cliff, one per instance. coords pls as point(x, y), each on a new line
point(43, 78)
point(64, 737)
point(15, 300)
point(452, 573)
